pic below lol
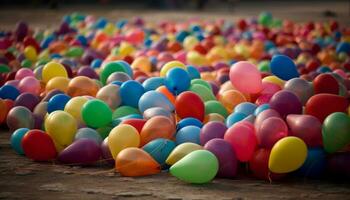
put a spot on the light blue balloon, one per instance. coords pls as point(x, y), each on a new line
point(234, 118)
point(152, 99)
point(261, 108)
point(88, 133)
point(193, 72)
point(246, 108)
point(16, 140)
point(153, 83)
point(130, 93)
point(283, 67)
point(189, 121)
point(188, 134)
point(160, 149)
point(177, 80)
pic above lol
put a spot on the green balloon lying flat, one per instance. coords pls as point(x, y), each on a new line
point(336, 132)
point(96, 113)
point(198, 167)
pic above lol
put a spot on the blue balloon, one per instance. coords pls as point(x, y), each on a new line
point(343, 47)
point(314, 165)
point(261, 108)
point(177, 80)
point(160, 149)
point(180, 36)
point(188, 134)
point(246, 108)
point(96, 63)
point(189, 121)
point(152, 99)
point(88, 133)
point(119, 83)
point(193, 72)
point(283, 67)
point(323, 69)
point(9, 92)
point(16, 140)
point(130, 93)
point(234, 118)
point(57, 102)
point(153, 83)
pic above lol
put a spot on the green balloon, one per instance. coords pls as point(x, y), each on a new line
point(201, 82)
point(265, 19)
point(199, 166)
point(123, 111)
point(96, 113)
point(215, 107)
point(4, 68)
point(203, 92)
point(104, 131)
point(264, 66)
point(75, 52)
point(109, 68)
point(26, 63)
point(336, 132)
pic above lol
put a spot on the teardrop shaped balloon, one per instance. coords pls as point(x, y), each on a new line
point(189, 104)
point(152, 99)
point(133, 161)
point(212, 130)
point(271, 130)
point(121, 137)
point(157, 127)
point(301, 88)
point(81, 152)
point(160, 149)
point(181, 151)
point(198, 167)
point(245, 77)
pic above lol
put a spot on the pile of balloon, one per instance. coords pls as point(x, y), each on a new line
point(261, 97)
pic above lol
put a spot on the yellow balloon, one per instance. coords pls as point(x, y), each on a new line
point(274, 80)
point(170, 65)
point(287, 155)
point(60, 83)
point(195, 58)
point(30, 53)
point(214, 117)
point(61, 126)
point(142, 63)
point(121, 137)
point(126, 49)
point(190, 42)
point(73, 107)
point(53, 69)
point(181, 151)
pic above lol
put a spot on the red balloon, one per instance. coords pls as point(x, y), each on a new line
point(136, 123)
point(189, 104)
point(326, 83)
point(38, 145)
point(322, 105)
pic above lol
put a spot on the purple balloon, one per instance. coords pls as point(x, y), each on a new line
point(27, 100)
point(225, 155)
point(88, 72)
point(286, 102)
point(339, 164)
point(106, 153)
point(264, 115)
point(81, 152)
point(212, 130)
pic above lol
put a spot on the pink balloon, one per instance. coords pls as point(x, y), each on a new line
point(29, 84)
point(243, 140)
point(264, 115)
point(245, 77)
point(269, 88)
point(180, 56)
point(14, 83)
point(23, 72)
point(271, 130)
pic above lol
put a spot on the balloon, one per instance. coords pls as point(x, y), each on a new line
point(171, 65)
point(314, 165)
point(29, 84)
point(157, 127)
point(9, 92)
point(197, 167)
point(136, 123)
point(246, 108)
point(121, 137)
point(264, 115)
point(110, 94)
point(231, 98)
point(16, 140)
point(245, 77)
point(136, 162)
point(38, 146)
point(326, 83)
point(157, 111)
point(261, 108)
point(283, 67)
point(301, 88)
point(164, 90)
point(131, 92)
point(177, 80)
point(106, 153)
point(123, 111)
point(118, 76)
point(60, 83)
point(24, 72)
point(27, 100)
point(154, 99)
point(338, 164)
point(203, 92)
point(270, 131)
point(142, 63)
point(181, 151)
point(306, 127)
point(285, 103)
point(242, 139)
point(88, 133)
point(322, 105)
point(110, 68)
point(336, 132)
point(61, 126)
point(225, 155)
point(73, 107)
point(212, 130)
point(57, 102)
point(188, 134)
point(189, 121)
point(81, 152)
point(96, 113)
point(82, 85)
point(160, 149)
point(53, 69)
point(19, 117)
point(259, 165)
point(153, 83)
point(215, 107)
point(234, 118)
point(189, 104)
point(287, 155)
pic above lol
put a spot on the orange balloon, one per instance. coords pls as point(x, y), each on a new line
point(167, 93)
point(3, 111)
point(231, 98)
point(157, 127)
point(82, 85)
point(133, 161)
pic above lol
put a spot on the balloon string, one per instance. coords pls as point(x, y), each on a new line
point(269, 177)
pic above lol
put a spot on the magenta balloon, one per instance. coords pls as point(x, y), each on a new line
point(269, 88)
point(88, 72)
point(225, 155)
point(245, 77)
point(212, 130)
point(286, 102)
point(106, 153)
point(306, 127)
point(81, 152)
point(29, 84)
point(242, 139)
point(271, 130)
point(27, 100)
point(264, 115)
